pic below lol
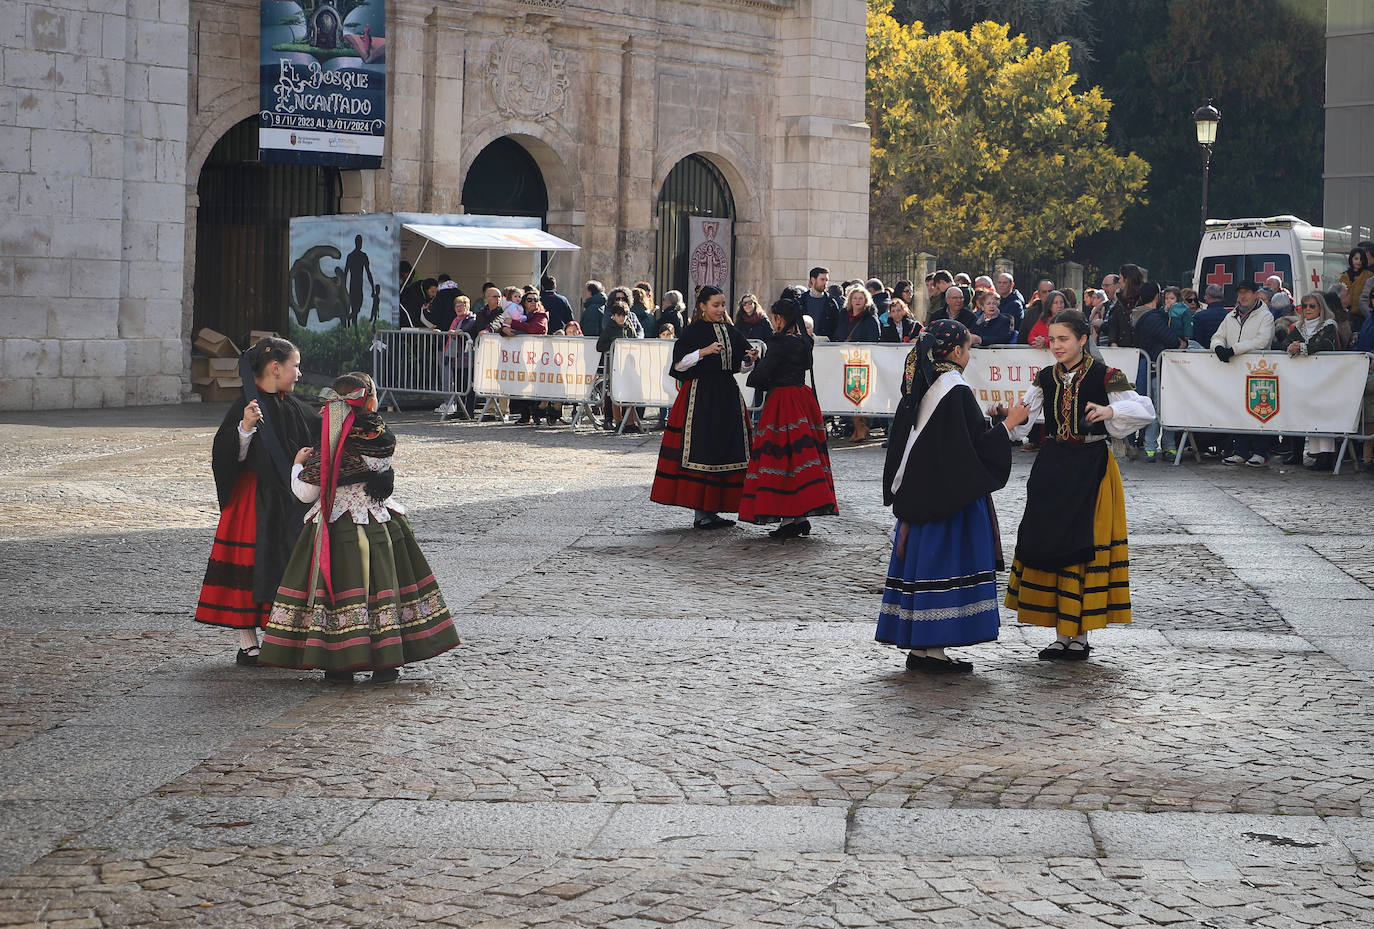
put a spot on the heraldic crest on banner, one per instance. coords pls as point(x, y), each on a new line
point(858, 375)
point(1262, 390)
point(527, 75)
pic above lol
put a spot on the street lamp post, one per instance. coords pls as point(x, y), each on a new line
point(1206, 119)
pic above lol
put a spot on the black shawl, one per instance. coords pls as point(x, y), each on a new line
point(291, 426)
point(955, 460)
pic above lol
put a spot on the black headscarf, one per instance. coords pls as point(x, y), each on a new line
point(922, 364)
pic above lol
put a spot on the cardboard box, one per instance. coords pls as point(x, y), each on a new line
point(216, 344)
point(220, 389)
point(257, 335)
point(204, 370)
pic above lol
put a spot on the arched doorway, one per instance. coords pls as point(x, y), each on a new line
point(695, 187)
point(504, 180)
point(242, 232)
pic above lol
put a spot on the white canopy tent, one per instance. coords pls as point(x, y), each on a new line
point(474, 254)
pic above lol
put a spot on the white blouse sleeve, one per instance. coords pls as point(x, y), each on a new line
point(1035, 399)
point(245, 440)
point(305, 493)
point(1130, 412)
point(688, 361)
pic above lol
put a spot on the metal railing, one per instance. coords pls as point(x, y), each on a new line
point(426, 362)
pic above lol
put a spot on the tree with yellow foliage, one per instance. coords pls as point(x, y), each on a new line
point(981, 148)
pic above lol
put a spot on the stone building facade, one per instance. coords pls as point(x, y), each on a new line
point(1349, 174)
point(115, 105)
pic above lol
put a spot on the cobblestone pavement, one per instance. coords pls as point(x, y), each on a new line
point(648, 726)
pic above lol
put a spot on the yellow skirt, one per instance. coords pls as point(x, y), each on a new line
point(1088, 596)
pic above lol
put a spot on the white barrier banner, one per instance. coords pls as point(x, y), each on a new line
point(536, 367)
point(1263, 392)
point(639, 373)
point(866, 379)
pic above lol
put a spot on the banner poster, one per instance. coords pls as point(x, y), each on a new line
point(322, 92)
point(639, 373)
point(1263, 392)
point(536, 367)
point(709, 260)
point(341, 287)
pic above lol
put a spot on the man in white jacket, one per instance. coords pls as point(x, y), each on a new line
point(1247, 328)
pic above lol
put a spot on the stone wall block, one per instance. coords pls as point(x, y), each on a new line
point(49, 29)
point(107, 155)
point(61, 152)
point(156, 43)
point(16, 393)
point(97, 198)
point(34, 70)
point(41, 110)
point(97, 392)
point(69, 73)
point(52, 393)
point(105, 77)
point(171, 244)
point(25, 237)
point(168, 85)
point(14, 148)
point(150, 201)
point(6, 276)
point(145, 391)
point(97, 113)
point(86, 238)
point(45, 278)
point(171, 162)
point(114, 37)
point(97, 280)
point(22, 318)
point(30, 357)
point(93, 358)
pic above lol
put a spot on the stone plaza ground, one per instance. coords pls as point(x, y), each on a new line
point(648, 726)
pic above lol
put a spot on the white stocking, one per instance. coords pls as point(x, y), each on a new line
point(248, 639)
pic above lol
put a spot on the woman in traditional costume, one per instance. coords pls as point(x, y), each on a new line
point(1071, 569)
point(259, 517)
point(358, 593)
point(789, 478)
point(705, 449)
point(943, 463)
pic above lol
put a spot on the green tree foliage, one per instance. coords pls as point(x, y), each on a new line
point(982, 148)
point(1263, 64)
point(1042, 22)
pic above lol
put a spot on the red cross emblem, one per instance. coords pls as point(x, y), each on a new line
point(1316, 280)
point(1268, 272)
point(1220, 276)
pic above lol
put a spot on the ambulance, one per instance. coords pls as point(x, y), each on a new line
point(1306, 257)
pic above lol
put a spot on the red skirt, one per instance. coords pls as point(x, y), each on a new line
point(789, 473)
point(226, 597)
point(711, 491)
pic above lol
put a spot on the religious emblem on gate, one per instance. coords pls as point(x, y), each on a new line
point(1262, 391)
point(858, 368)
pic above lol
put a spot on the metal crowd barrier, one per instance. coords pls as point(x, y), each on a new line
point(423, 361)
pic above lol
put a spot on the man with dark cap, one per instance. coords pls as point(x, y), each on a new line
point(1247, 328)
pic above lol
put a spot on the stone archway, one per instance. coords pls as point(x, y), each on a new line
point(505, 180)
point(694, 187)
point(242, 214)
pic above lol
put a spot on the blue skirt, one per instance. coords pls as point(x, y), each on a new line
point(944, 592)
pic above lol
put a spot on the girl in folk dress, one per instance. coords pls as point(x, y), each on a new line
point(705, 449)
point(358, 593)
point(1071, 569)
point(943, 463)
point(789, 477)
point(259, 517)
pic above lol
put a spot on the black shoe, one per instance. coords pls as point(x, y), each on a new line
point(523, 421)
point(246, 658)
point(928, 665)
point(1293, 459)
point(631, 429)
point(713, 522)
point(557, 421)
point(385, 675)
point(1077, 654)
point(338, 677)
point(1324, 461)
point(1054, 652)
point(792, 530)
